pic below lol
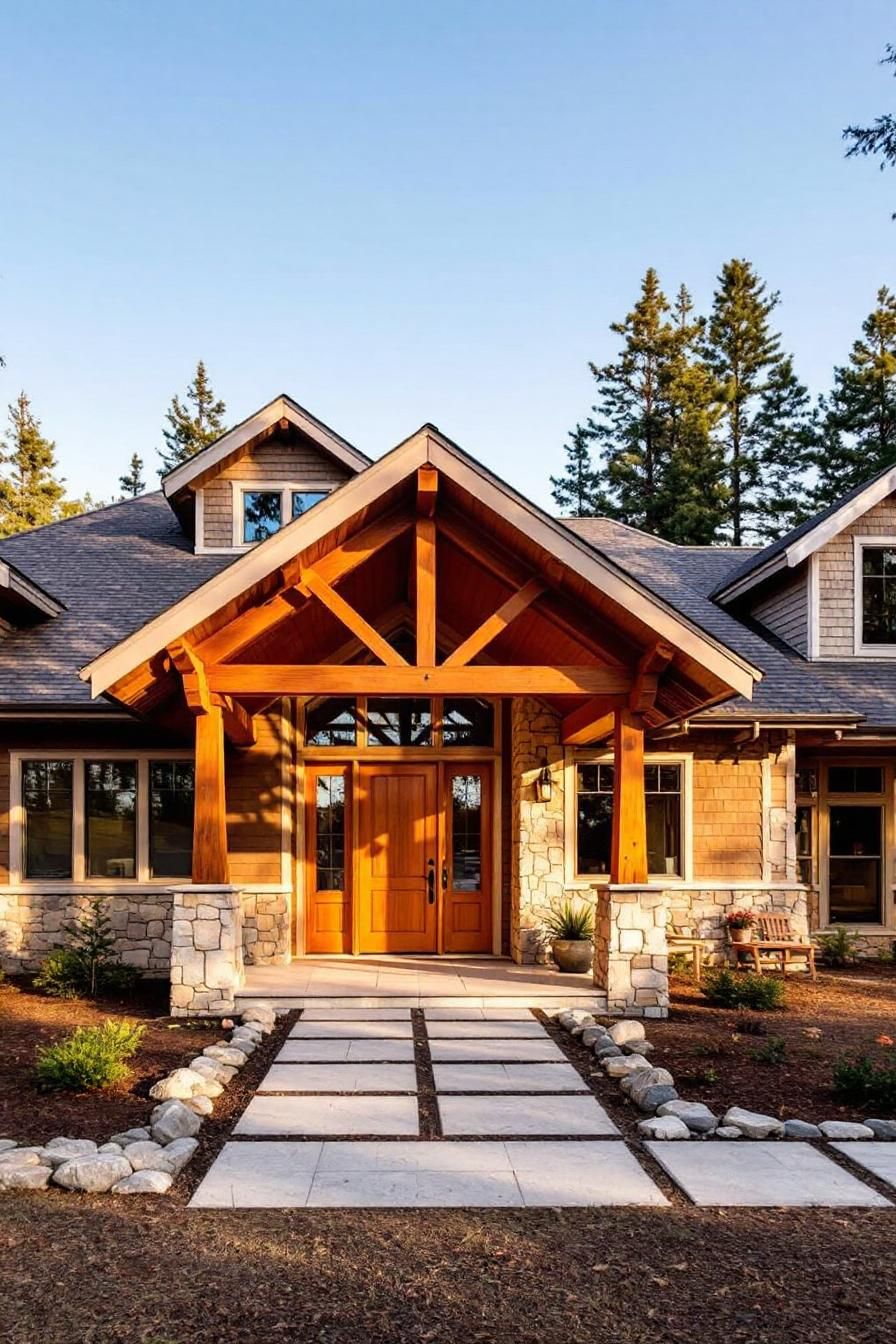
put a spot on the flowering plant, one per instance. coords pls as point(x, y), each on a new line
point(740, 919)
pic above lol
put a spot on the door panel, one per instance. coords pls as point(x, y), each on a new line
point(467, 874)
point(398, 838)
point(327, 881)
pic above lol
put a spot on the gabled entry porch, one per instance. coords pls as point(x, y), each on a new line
point(434, 644)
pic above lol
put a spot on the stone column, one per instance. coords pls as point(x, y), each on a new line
point(631, 957)
point(206, 950)
point(537, 863)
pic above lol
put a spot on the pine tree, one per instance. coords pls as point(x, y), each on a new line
point(878, 139)
point(745, 355)
point(30, 492)
point(859, 416)
point(787, 430)
point(577, 492)
point(188, 433)
point(132, 483)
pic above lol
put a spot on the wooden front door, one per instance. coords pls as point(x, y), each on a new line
point(398, 858)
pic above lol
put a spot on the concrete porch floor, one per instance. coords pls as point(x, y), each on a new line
point(417, 982)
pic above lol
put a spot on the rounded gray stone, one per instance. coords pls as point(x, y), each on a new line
point(845, 1129)
point(25, 1178)
point(650, 1098)
point(882, 1129)
point(663, 1127)
point(801, 1129)
point(752, 1124)
point(695, 1114)
point(146, 1182)
point(94, 1174)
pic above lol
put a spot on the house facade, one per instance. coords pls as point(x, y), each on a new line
point(299, 704)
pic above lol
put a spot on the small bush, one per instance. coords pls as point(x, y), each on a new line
point(750, 1026)
point(725, 989)
point(89, 965)
point(773, 1052)
point(90, 1059)
point(571, 922)
point(837, 948)
point(861, 1082)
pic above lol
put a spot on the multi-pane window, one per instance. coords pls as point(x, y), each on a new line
point(468, 723)
point(855, 779)
point(332, 723)
point(110, 807)
point(266, 511)
point(47, 808)
point(330, 833)
point(171, 797)
point(594, 818)
point(110, 819)
point(878, 595)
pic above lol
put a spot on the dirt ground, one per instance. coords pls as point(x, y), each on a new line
point(714, 1059)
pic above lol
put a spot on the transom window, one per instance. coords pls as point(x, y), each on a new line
point(877, 596)
point(265, 510)
point(594, 818)
point(396, 721)
point(112, 819)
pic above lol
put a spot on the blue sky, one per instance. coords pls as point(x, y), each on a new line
point(401, 212)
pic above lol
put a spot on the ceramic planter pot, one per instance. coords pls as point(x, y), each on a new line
point(573, 954)
point(740, 935)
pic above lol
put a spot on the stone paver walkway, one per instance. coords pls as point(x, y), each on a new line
point(335, 1123)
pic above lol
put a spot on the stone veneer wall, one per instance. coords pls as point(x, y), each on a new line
point(701, 913)
point(266, 928)
point(536, 829)
point(206, 949)
point(32, 923)
point(631, 962)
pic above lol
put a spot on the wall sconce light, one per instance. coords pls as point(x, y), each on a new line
point(543, 784)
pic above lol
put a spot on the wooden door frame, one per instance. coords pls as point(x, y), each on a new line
point(350, 761)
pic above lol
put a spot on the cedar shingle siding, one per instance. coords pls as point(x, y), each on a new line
point(274, 461)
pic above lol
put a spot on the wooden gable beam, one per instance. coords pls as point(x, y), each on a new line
point(237, 722)
point(591, 722)
point(425, 584)
point(256, 621)
point(351, 618)
point(650, 667)
point(427, 491)
point(271, 679)
point(491, 628)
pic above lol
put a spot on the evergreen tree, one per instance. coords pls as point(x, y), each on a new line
point(787, 430)
point(30, 492)
point(132, 483)
point(859, 417)
point(745, 355)
point(577, 492)
point(878, 139)
point(188, 431)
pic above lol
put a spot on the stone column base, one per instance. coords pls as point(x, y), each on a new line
point(206, 950)
point(631, 957)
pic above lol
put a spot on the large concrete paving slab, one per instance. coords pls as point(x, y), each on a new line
point(384, 1029)
point(474, 1030)
point(263, 1175)
point(877, 1157)
point(508, 1078)
point(356, 1015)
point(268, 1115)
point(508, 1052)
point(339, 1078)
point(570, 1116)
point(346, 1052)
point(764, 1174)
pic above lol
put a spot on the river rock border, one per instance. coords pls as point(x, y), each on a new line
point(146, 1159)
point(623, 1051)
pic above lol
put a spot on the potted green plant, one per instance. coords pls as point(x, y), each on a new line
point(571, 929)
point(740, 925)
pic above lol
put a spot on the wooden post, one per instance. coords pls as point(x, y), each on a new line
point(425, 562)
point(210, 862)
point(628, 860)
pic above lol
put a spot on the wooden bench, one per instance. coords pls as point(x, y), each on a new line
point(678, 942)
point(775, 936)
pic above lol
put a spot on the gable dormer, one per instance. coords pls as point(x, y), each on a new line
point(828, 588)
point(261, 474)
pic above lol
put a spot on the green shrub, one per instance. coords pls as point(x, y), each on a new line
point(861, 1082)
point(571, 922)
point(90, 1058)
point(89, 965)
point(837, 948)
point(773, 1052)
point(725, 989)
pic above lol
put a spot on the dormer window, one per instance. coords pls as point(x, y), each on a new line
point(876, 596)
point(263, 510)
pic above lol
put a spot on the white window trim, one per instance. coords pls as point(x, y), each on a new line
point(79, 879)
point(860, 649)
point(574, 757)
point(284, 488)
point(813, 621)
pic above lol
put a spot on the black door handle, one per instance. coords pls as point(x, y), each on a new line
point(431, 880)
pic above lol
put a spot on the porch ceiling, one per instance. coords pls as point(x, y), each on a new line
point(333, 586)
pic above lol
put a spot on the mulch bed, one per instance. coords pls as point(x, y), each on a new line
point(713, 1059)
point(29, 1019)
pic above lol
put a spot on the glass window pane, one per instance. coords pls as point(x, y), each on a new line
point(111, 818)
point(594, 828)
point(47, 804)
point(303, 500)
point(652, 778)
point(855, 779)
point(468, 723)
point(332, 723)
point(878, 595)
point(466, 832)
point(261, 514)
point(330, 833)
point(855, 831)
point(399, 723)
point(664, 834)
point(804, 829)
point(171, 793)
point(670, 779)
